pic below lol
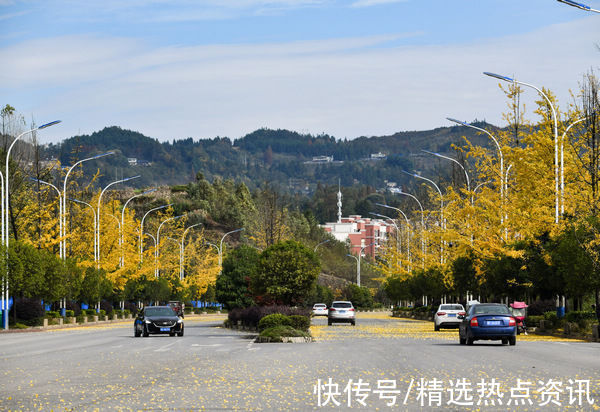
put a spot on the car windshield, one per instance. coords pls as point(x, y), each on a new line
point(451, 307)
point(490, 309)
point(320, 306)
point(159, 312)
point(342, 305)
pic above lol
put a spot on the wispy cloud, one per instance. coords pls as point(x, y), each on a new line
point(345, 87)
point(369, 3)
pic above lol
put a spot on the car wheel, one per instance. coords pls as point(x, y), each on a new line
point(436, 327)
point(181, 332)
point(145, 331)
point(470, 340)
point(461, 340)
point(136, 331)
point(512, 340)
point(353, 323)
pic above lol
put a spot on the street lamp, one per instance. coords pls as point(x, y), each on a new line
point(395, 226)
point(122, 260)
point(5, 217)
point(95, 222)
point(578, 5)
point(442, 226)
point(514, 81)
point(452, 160)
point(362, 249)
point(400, 212)
point(319, 244)
point(221, 247)
point(98, 211)
point(182, 256)
point(141, 237)
point(423, 227)
point(562, 160)
point(157, 250)
point(64, 203)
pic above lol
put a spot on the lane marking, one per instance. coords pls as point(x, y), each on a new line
point(165, 348)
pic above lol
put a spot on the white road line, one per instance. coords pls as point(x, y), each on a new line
point(214, 345)
point(165, 348)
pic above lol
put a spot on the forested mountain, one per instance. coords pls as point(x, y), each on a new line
point(281, 157)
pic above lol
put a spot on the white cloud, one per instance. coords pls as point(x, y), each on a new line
point(344, 87)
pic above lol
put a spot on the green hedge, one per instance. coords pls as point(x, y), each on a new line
point(273, 320)
point(533, 321)
point(300, 322)
point(281, 331)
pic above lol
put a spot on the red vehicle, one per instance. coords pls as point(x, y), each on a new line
point(519, 312)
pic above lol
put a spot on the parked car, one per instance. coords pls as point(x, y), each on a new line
point(157, 320)
point(447, 316)
point(341, 312)
point(319, 309)
point(487, 321)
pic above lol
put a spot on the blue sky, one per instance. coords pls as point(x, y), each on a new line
point(173, 69)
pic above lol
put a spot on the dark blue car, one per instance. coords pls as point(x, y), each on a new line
point(488, 321)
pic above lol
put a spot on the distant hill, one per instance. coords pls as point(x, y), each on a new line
point(282, 157)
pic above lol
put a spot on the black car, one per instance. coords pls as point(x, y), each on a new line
point(158, 320)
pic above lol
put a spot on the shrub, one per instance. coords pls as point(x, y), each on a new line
point(273, 320)
point(539, 307)
point(69, 313)
point(533, 320)
point(19, 326)
point(106, 306)
point(300, 322)
point(252, 315)
point(52, 314)
point(127, 312)
point(90, 312)
point(277, 332)
point(29, 309)
point(102, 313)
point(552, 319)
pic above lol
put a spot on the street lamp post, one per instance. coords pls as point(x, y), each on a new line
point(98, 212)
point(221, 247)
point(441, 209)
point(579, 5)
point(499, 152)
point(554, 118)
point(395, 226)
point(64, 203)
point(562, 163)
point(141, 237)
point(320, 243)
point(95, 222)
point(122, 260)
point(455, 161)
point(423, 228)
point(182, 256)
point(157, 250)
point(6, 200)
point(362, 249)
point(400, 212)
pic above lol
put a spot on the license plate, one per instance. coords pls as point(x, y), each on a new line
point(165, 329)
point(451, 315)
point(342, 311)
point(494, 323)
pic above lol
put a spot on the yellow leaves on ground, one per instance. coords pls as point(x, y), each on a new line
point(400, 328)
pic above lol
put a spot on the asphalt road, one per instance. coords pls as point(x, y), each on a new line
point(212, 368)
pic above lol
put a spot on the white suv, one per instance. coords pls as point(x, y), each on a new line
point(319, 309)
point(447, 316)
point(341, 311)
